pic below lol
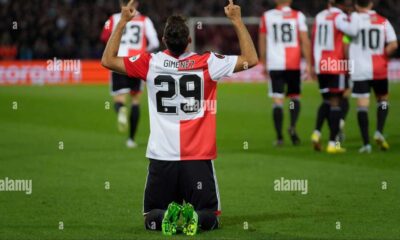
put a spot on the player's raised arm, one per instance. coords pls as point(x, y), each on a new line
point(262, 44)
point(248, 57)
point(110, 57)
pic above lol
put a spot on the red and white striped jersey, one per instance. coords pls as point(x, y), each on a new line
point(282, 27)
point(139, 35)
point(182, 102)
point(367, 50)
point(327, 39)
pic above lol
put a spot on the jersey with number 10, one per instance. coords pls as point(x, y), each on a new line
point(367, 50)
point(182, 102)
point(282, 27)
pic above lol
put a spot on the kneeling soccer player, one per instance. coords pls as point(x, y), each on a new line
point(181, 192)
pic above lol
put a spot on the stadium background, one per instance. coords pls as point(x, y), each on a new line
point(72, 28)
point(346, 198)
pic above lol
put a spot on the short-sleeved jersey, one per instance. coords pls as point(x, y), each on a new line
point(182, 102)
point(327, 40)
point(367, 50)
point(139, 35)
point(282, 27)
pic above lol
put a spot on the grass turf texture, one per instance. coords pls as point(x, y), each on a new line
point(69, 184)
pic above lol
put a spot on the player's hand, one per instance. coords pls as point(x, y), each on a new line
point(310, 73)
point(265, 71)
point(128, 12)
point(233, 12)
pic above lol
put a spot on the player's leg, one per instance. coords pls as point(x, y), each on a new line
point(135, 92)
point(293, 92)
point(161, 189)
point(322, 113)
point(345, 105)
point(381, 89)
point(119, 91)
point(200, 188)
point(335, 96)
point(361, 91)
point(276, 91)
point(135, 86)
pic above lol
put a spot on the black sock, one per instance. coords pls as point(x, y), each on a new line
point(334, 122)
point(362, 115)
point(294, 108)
point(278, 120)
point(134, 120)
point(345, 105)
point(154, 219)
point(382, 113)
point(207, 220)
point(117, 106)
point(323, 113)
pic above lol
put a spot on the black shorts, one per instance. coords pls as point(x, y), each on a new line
point(194, 182)
point(122, 84)
point(332, 84)
point(363, 88)
point(280, 79)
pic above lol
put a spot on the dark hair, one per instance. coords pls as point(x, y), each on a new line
point(176, 34)
point(124, 2)
point(363, 3)
point(338, 2)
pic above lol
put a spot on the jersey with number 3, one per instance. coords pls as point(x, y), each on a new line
point(282, 27)
point(182, 102)
point(135, 36)
point(367, 50)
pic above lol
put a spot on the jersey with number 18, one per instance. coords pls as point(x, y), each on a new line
point(282, 27)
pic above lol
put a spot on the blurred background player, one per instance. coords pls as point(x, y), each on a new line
point(182, 142)
point(138, 37)
point(331, 65)
point(375, 42)
point(324, 108)
point(283, 36)
point(345, 102)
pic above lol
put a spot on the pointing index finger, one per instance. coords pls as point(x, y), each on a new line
point(131, 2)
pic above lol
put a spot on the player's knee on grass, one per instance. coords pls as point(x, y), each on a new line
point(153, 219)
point(207, 220)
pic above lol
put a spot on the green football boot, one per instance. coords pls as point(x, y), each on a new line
point(190, 219)
point(171, 216)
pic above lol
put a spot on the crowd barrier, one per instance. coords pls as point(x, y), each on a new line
point(64, 72)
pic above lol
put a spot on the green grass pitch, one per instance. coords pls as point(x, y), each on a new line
point(69, 184)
